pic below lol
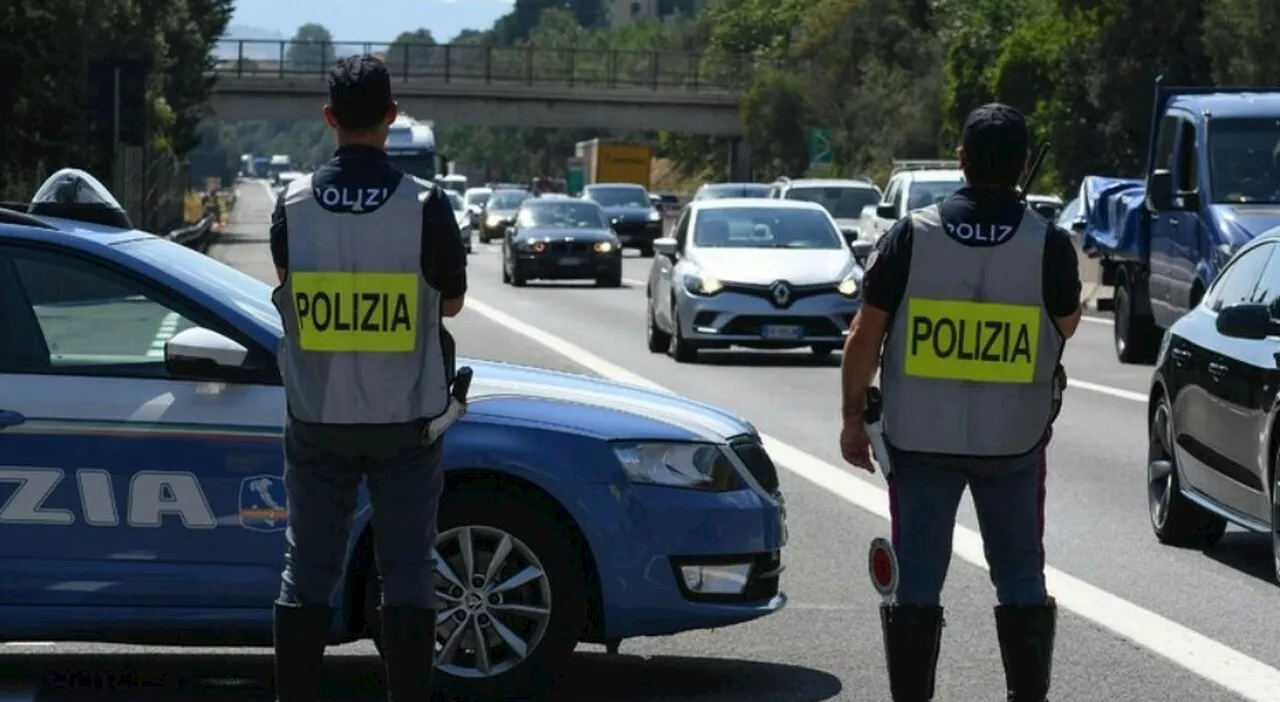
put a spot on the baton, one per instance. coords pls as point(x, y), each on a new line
point(872, 417)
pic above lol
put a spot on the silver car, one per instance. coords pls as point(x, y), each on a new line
point(757, 273)
point(462, 216)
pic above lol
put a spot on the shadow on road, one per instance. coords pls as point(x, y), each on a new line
point(535, 284)
point(591, 677)
point(766, 359)
point(231, 237)
point(1247, 552)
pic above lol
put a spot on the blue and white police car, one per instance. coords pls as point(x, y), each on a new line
point(140, 474)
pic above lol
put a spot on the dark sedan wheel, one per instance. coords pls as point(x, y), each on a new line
point(1137, 340)
point(1175, 520)
point(612, 279)
point(679, 348)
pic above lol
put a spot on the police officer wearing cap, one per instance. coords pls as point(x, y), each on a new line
point(370, 262)
point(969, 303)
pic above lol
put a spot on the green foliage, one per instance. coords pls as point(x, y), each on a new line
point(42, 106)
point(311, 50)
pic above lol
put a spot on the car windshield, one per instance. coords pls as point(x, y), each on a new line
point(620, 197)
point(455, 200)
point(212, 277)
point(765, 228)
point(843, 202)
point(477, 198)
point(562, 215)
point(508, 200)
point(1244, 160)
point(720, 192)
point(924, 194)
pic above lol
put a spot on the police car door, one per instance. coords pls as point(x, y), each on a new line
point(120, 485)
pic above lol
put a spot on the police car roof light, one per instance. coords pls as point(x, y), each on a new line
point(74, 194)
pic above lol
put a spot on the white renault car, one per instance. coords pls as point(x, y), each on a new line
point(754, 273)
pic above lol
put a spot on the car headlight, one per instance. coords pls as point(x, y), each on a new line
point(691, 466)
point(702, 285)
point(655, 216)
point(603, 246)
point(848, 287)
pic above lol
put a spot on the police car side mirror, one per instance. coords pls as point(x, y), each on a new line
point(202, 354)
point(886, 212)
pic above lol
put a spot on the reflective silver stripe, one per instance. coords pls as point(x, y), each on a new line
point(349, 387)
point(965, 417)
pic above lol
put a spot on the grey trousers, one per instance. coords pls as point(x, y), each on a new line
point(324, 467)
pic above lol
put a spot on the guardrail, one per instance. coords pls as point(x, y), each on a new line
point(524, 65)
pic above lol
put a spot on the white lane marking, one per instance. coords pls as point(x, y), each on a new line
point(31, 643)
point(1096, 320)
point(1211, 660)
point(636, 283)
point(1107, 390)
point(168, 327)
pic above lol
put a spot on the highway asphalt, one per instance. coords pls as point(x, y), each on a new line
point(1139, 621)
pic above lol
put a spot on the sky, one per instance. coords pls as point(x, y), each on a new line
point(377, 21)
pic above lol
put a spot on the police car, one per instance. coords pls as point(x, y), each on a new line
point(140, 474)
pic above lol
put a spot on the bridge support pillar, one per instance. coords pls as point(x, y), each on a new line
point(739, 161)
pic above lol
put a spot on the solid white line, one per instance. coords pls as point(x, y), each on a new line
point(636, 283)
point(1211, 660)
point(1107, 390)
point(1093, 319)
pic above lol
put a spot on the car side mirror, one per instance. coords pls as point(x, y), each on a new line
point(861, 250)
point(886, 212)
point(1247, 321)
point(1160, 190)
point(665, 246)
point(1078, 226)
point(202, 354)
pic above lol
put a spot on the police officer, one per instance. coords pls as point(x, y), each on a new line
point(971, 302)
point(369, 261)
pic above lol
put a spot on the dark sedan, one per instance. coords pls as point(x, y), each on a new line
point(561, 239)
point(499, 212)
point(1214, 408)
point(630, 213)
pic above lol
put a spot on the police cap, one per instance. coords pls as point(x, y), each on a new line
point(995, 141)
point(360, 91)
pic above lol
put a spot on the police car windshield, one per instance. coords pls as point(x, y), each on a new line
point(508, 200)
point(931, 193)
point(455, 200)
point(211, 277)
point(562, 215)
point(765, 228)
point(633, 196)
point(1244, 160)
point(843, 202)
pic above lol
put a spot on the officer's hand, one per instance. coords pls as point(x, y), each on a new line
point(855, 446)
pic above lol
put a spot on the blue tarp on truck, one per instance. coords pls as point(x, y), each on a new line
point(1111, 208)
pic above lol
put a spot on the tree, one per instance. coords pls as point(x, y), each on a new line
point(411, 53)
point(310, 50)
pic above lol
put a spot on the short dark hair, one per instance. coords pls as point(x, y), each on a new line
point(996, 143)
point(359, 92)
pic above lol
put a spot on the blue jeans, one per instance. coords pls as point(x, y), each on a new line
point(324, 467)
point(1008, 495)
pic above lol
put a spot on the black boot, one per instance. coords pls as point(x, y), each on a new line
point(408, 650)
point(912, 639)
point(301, 633)
point(1026, 647)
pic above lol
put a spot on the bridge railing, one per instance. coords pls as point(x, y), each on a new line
point(468, 63)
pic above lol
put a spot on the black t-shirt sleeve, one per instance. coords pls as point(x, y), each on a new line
point(885, 282)
point(1061, 274)
point(444, 261)
point(279, 235)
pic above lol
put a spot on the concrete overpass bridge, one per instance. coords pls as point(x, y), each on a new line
point(495, 86)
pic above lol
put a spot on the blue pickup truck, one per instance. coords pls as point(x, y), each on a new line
point(1212, 184)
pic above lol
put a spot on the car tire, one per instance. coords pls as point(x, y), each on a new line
point(1175, 520)
point(489, 516)
point(613, 279)
point(1275, 515)
point(659, 341)
point(1137, 339)
point(518, 278)
point(678, 347)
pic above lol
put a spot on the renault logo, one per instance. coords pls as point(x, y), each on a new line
point(781, 294)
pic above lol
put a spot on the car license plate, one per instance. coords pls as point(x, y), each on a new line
point(781, 331)
point(570, 261)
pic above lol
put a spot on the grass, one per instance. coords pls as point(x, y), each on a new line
point(193, 208)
